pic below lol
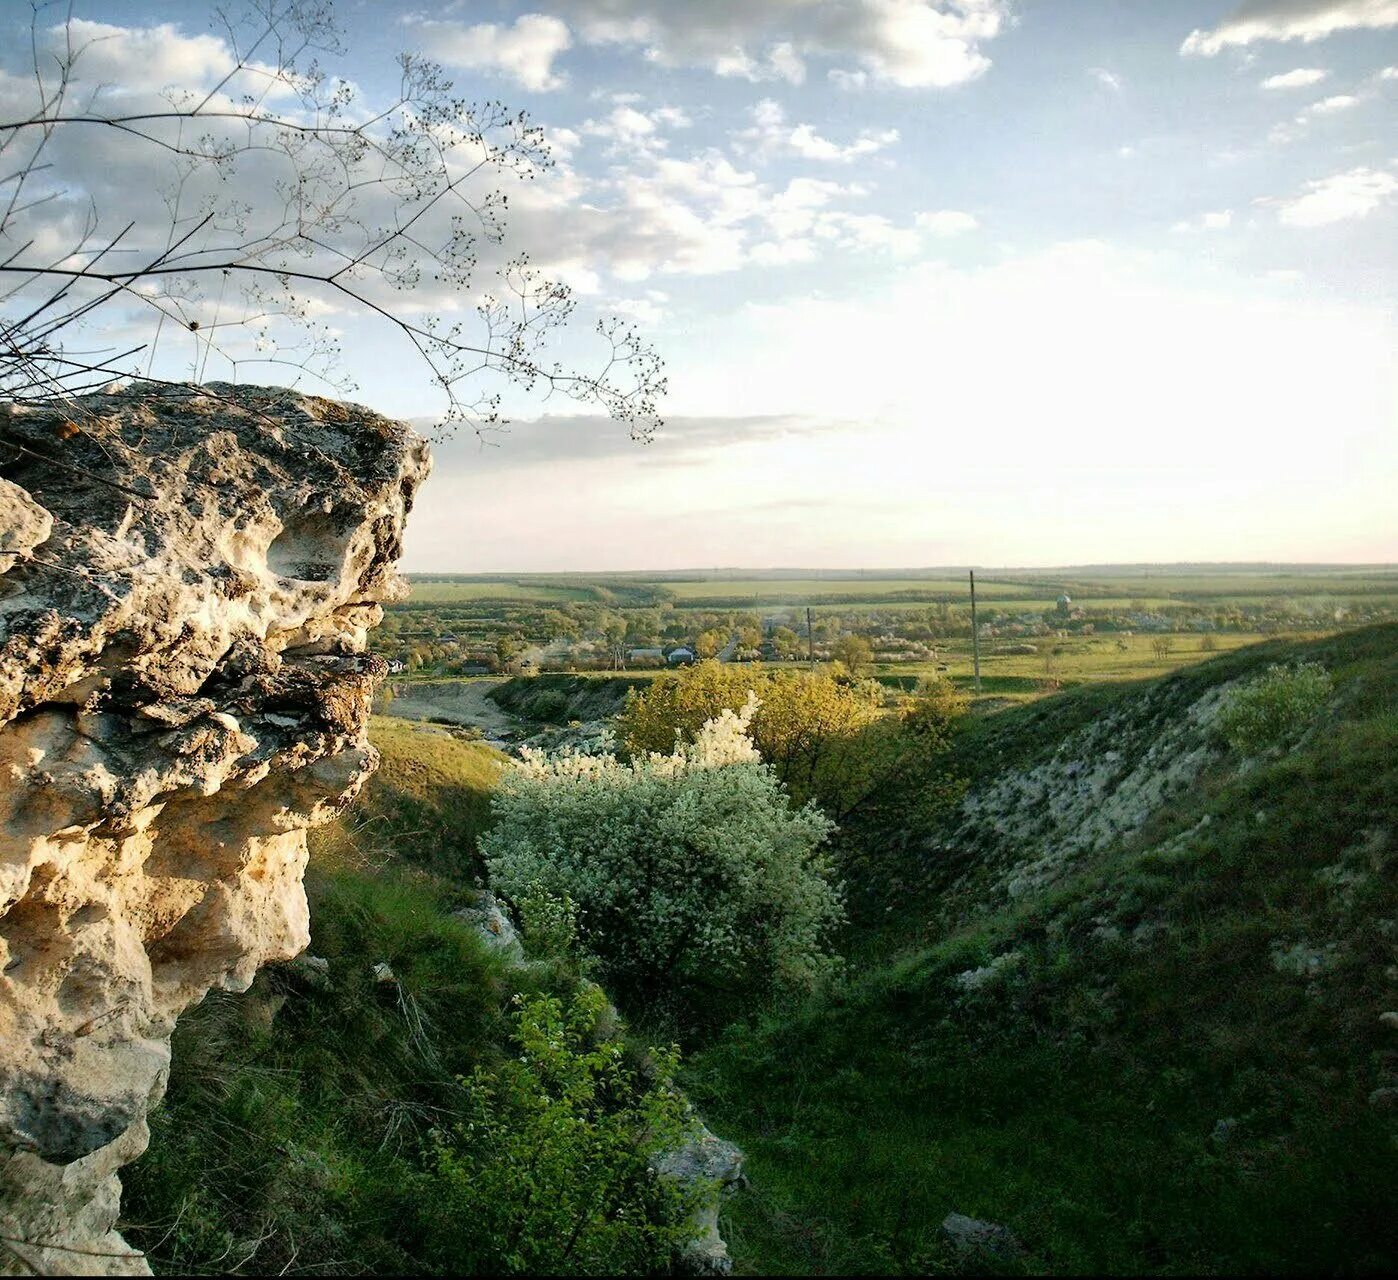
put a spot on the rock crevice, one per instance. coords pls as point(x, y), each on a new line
point(187, 577)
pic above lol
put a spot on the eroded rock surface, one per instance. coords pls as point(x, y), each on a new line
point(187, 576)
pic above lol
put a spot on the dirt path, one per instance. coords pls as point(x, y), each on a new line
point(456, 701)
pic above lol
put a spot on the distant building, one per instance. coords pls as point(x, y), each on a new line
point(680, 655)
point(395, 665)
point(645, 655)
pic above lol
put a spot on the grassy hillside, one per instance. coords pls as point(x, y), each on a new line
point(425, 806)
point(1126, 1001)
point(558, 699)
point(305, 1123)
point(1158, 1049)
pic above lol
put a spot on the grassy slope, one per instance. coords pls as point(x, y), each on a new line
point(288, 1142)
point(426, 804)
point(1076, 1099)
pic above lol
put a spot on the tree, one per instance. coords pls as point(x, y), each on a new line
point(287, 196)
point(854, 651)
point(710, 642)
point(786, 642)
point(507, 650)
point(1161, 646)
point(827, 738)
point(552, 1161)
point(614, 633)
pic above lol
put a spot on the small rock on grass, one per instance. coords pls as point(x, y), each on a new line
point(970, 1236)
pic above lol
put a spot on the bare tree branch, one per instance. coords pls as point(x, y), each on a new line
point(382, 213)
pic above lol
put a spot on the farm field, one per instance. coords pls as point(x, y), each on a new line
point(1159, 586)
point(1040, 630)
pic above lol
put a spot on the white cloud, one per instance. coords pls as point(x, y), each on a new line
point(1107, 79)
point(1341, 197)
point(1337, 102)
point(908, 43)
point(946, 222)
point(772, 135)
point(1301, 78)
point(848, 80)
point(782, 62)
point(869, 232)
point(148, 57)
point(628, 131)
point(1304, 20)
point(525, 52)
point(1216, 220)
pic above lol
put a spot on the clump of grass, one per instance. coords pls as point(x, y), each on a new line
point(427, 805)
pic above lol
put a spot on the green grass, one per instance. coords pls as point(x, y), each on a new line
point(293, 1142)
point(471, 592)
point(1109, 587)
point(1076, 1100)
point(425, 806)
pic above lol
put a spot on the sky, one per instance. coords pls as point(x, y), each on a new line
point(936, 282)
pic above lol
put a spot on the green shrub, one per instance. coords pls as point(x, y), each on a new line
point(548, 921)
point(552, 1164)
point(698, 886)
point(1267, 711)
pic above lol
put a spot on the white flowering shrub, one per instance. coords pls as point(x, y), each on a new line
point(697, 886)
point(1278, 704)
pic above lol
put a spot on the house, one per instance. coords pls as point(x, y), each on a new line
point(395, 665)
point(680, 655)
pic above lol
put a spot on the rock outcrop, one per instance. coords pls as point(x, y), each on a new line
point(187, 576)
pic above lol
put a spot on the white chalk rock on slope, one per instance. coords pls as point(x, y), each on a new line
point(187, 577)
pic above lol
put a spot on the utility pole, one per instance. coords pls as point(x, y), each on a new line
point(810, 638)
point(975, 634)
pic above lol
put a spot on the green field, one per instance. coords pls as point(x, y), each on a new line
point(468, 592)
point(1104, 588)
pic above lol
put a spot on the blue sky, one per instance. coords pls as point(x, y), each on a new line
point(997, 281)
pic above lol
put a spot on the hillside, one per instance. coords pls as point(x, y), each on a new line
point(1125, 1001)
point(1136, 1004)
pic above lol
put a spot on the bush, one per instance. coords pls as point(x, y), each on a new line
point(697, 886)
point(1267, 711)
point(552, 1165)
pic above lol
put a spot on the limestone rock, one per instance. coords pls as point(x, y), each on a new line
point(716, 1168)
point(494, 927)
point(183, 692)
point(973, 1238)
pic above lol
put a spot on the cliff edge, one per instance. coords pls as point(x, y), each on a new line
point(187, 577)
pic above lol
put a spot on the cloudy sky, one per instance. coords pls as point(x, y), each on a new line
point(936, 281)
